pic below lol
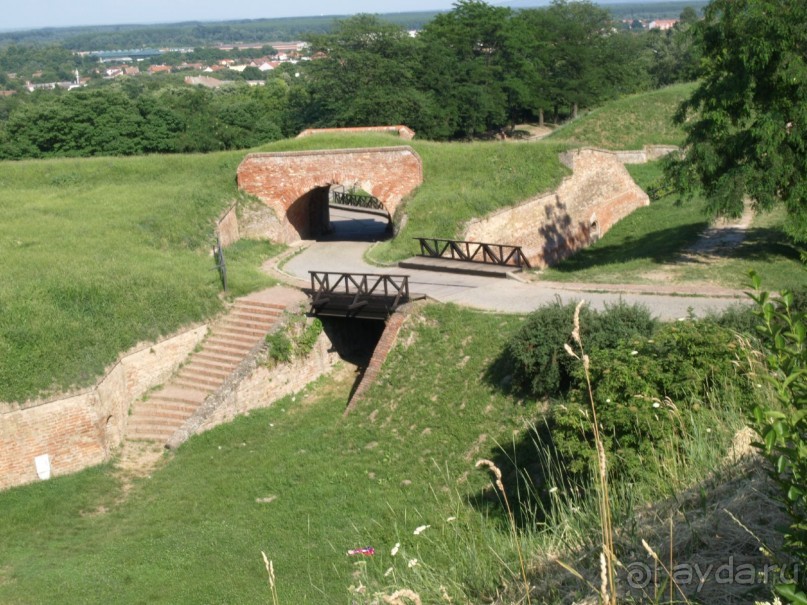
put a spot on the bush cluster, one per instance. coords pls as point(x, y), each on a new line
point(647, 391)
point(540, 365)
point(649, 380)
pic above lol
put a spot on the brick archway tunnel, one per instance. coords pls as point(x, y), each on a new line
point(295, 184)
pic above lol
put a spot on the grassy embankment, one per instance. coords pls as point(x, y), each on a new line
point(628, 123)
point(103, 253)
point(99, 254)
point(460, 181)
point(646, 246)
point(304, 485)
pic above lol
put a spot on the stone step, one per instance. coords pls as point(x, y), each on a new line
point(194, 368)
point(188, 383)
point(149, 432)
point(233, 347)
point(213, 363)
point(161, 413)
point(230, 328)
point(229, 359)
point(250, 340)
point(173, 394)
point(259, 305)
point(242, 317)
point(200, 379)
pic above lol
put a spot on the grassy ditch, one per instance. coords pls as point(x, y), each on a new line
point(304, 485)
point(99, 254)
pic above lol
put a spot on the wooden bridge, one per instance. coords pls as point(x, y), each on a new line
point(475, 252)
point(360, 295)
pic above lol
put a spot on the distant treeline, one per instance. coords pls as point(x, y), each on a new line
point(471, 72)
point(195, 33)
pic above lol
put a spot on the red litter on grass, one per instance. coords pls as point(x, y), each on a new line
point(367, 551)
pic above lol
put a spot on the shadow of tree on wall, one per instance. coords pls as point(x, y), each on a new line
point(560, 235)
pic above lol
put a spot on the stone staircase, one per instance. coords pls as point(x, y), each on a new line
point(229, 342)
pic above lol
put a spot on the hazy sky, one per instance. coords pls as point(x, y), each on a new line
point(25, 14)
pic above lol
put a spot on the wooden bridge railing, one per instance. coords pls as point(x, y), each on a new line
point(354, 291)
point(477, 252)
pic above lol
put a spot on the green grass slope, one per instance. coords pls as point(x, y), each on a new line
point(99, 254)
point(102, 253)
point(629, 122)
point(193, 531)
point(646, 247)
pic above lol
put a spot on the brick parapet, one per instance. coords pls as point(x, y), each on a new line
point(382, 349)
point(83, 428)
point(553, 225)
point(403, 131)
point(285, 180)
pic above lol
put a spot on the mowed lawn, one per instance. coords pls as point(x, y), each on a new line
point(297, 481)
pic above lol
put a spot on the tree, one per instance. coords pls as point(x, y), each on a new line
point(464, 65)
point(367, 76)
point(746, 123)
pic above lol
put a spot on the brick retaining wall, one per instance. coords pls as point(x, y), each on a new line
point(554, 225)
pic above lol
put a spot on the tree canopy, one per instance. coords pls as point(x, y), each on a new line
point(746, 123)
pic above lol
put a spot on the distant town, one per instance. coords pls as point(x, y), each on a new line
point(255, 59)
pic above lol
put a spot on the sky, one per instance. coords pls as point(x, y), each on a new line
point(31, 14)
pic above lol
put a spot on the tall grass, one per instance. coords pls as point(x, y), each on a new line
point(305, 485)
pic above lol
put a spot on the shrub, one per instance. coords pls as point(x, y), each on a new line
point(280, 347)
point(738, 317)
point(297, 340)
point(540, 364)
point(783, 423)
point(644, 391)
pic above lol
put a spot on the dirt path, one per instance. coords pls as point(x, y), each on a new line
point(715, 244)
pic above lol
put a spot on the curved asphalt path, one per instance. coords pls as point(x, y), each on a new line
point(492, 294)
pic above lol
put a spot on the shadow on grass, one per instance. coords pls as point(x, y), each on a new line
point(658, 246)
point(765, 244)
point(530, 472)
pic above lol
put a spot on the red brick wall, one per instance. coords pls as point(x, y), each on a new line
point(281, 179)
point(552, 226)
point(403, 131)
point(71, 438)
point(382, 349)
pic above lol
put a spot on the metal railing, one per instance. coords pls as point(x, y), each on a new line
point(476, 252)
point(221, 262)
point(358, 201)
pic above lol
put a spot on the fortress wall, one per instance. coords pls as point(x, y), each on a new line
point(554, 225)
point(83, 429)
point(404, 132)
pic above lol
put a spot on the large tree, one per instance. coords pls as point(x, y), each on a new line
point(746, 123)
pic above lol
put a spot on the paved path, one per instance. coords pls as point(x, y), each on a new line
point(496, 294)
